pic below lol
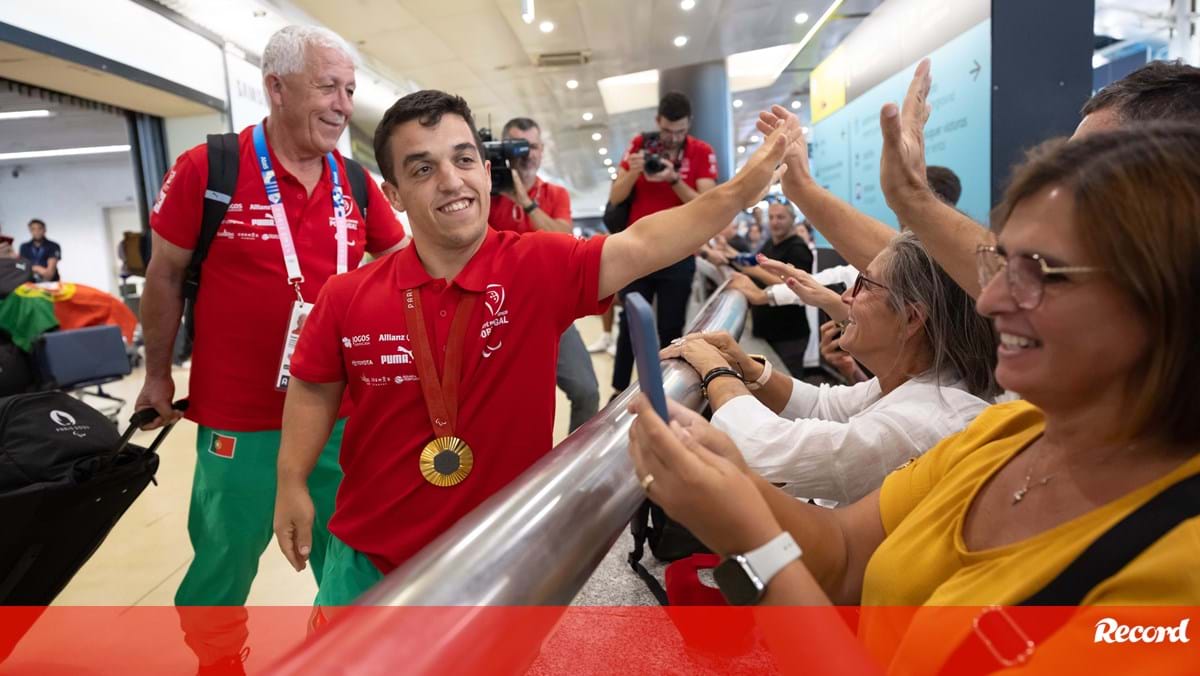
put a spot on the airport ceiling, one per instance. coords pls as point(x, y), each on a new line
point(69, 122)
point(482, 50)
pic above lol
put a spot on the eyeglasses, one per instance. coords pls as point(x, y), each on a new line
point(863, 282)
point(1026, 274)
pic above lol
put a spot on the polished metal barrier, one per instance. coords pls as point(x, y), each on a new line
point(536, 542)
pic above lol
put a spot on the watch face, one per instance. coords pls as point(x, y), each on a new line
point(736, 584)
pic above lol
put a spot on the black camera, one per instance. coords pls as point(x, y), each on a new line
point(652, 146)
point(500, 154)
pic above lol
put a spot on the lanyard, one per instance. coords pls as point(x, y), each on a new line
point(279, 215)
point(441, 394)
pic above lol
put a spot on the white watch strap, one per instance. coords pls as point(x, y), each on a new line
point(769, 559)
point(762, 378)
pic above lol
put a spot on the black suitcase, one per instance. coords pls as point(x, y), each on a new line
point(66, 477)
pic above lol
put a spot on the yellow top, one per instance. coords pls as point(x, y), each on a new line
point(924, 562)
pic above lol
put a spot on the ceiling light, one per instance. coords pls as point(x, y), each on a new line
point(587, 117)
point(603, 151)
point(737, 103)
point(741, 150)
point(802, 18)
point(680, 40)
point(796, 104)
point(632, 91)
point(63, 152)
point(24, 114)
point(596, 136)
point(527, 11)
point(760, 68)
point(608, 161)
point(572, 84)
point(755, 139)
point(687, 5)
point(546, 26)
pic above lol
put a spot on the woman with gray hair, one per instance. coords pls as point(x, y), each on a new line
point(907, 322)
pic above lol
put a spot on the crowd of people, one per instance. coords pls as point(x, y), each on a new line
point(423, 383)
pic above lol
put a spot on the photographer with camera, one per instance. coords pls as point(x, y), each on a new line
point(526, 203)
point(515, 160)
point(662, 169)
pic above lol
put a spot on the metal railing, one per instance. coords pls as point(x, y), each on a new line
point(534, 543)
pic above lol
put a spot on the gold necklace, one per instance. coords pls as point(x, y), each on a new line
point(1019, 494)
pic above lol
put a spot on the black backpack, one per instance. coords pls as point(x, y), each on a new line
point(223, 163)
point(668, 541)
point(13, 273)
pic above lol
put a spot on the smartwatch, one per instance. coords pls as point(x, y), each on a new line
point(533, 205)
point(765, 376)
point(743, 578)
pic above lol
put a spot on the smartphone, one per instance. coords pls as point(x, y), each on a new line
point(644, 335)
point(745, 259)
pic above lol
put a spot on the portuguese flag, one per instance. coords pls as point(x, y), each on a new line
point(33, 309)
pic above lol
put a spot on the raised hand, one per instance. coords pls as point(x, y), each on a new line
point(902, 164)
point(764, 166)
point(796, 155)
point(804, 285)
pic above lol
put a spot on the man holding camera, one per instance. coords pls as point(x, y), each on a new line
point(546, 206)
point(661, 170)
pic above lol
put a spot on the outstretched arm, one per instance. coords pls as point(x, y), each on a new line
point(949, 235)
point(855, 235)
point(660, 239)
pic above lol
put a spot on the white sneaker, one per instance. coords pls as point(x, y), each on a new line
point(612, 347)
point(603, 344)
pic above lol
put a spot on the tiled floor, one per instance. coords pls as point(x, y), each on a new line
point(145, 556)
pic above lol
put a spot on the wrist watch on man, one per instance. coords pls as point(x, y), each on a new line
point(531, 207)
point(743, 578)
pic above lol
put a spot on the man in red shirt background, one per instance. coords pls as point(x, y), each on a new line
point(242, 315)
point(547, 207)
point(687, 168)
point(447, 347)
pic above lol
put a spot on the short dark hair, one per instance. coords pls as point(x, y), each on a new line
point(944, 183)
point(38, 221)
point(675, 106)
point(427, 107)
point(522, 123)
point(1159, 90)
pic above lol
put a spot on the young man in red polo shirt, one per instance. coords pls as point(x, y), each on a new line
point(686, 168)
point(547, 207)
point(447, 347)
point(246, 310)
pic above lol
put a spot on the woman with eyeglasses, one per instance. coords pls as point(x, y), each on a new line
point(909, 324)
point(1082, 493)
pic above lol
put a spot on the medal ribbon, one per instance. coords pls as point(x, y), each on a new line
point(441, 394)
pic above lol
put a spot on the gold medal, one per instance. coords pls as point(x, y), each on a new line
point(446, 461)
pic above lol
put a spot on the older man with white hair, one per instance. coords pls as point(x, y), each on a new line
point(288, 226)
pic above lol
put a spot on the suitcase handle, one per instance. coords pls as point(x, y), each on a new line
point(143, 417)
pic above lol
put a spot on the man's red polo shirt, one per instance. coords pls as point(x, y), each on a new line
point(532, 288)
point(698, 161)
point(245, 302)
point(506, 214)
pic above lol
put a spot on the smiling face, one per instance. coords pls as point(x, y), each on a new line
point(1085, 338)
point(314, 106)
point(874, 329)
point(441, 182)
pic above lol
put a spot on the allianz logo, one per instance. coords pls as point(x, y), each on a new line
point(1109, 630)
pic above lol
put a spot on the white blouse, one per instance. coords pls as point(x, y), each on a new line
point(838, 443)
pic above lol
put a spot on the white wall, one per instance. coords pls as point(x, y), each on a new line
point(183, 133)
point(71, 197)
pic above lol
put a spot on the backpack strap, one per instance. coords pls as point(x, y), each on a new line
point(1105, 557)
point(356, 175)
point(639, 528)
point(223, 160)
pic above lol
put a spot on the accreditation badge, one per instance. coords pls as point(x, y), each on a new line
point(300, 311)
point(446, 461)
